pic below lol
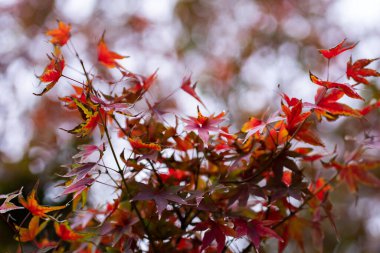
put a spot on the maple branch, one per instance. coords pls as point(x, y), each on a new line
point(106, 167)
point(119, 125)
point(18, 232)
point(328, 69)
point(72, 79)
point(81, 63)
point(197, 171)
point(133, 204)
point(13, 228)
point(103, 183)
point(155, 173)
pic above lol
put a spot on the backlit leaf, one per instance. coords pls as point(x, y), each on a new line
point(190, 89)
point(106, 57)
point(64, 231)
point(91, 117)
point(137, 144)
point(52, 73)
point(346, 88)
point(77, 187)
point(30, 233)
point(338, 49)
point(7, 205)
point(358, 72)
point(357, 172)
point(60, 35)
point(34, 208)
point(204, 124)
point(327, 105)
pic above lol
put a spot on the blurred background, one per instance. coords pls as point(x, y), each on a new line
point(243, 54)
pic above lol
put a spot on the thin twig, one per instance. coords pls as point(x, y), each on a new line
point(121, 172)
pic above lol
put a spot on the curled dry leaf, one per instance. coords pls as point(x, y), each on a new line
point(52, 73)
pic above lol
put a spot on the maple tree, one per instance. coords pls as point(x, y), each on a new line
point(192, 185)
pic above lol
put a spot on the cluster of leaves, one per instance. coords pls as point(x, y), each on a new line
point(192, 186)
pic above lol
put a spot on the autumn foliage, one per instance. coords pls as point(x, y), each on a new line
point(189, 183)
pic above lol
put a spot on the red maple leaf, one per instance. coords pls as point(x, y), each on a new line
point(183, 144)
point(88, 150)
point(367, 109)
point(52, 73)
point(297, 124)
point(346, 88)
point(326, 105)
point(80, 170)
point(68, 100)
point(174, 176)
point(190, 88)
point(140, 82)
point(254, 125)
point(338, 49)
point(358, 72)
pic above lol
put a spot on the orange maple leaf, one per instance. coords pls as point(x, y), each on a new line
point(61, 35)
point(79, 94)
point(138, 144)
point(253, 125)
point(52, 73)
point(107, 57)
point(66, 233)
point(296, 122)
point(357, 172)
point(277, 135)
point(287, 177)
point(34, 228)
point(34, 208)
